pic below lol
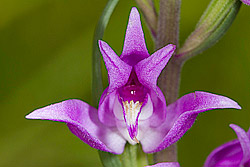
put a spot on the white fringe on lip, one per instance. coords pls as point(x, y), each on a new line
point(147, 109)
point(131, 111)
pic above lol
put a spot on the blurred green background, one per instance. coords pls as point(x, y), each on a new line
point(45, 57)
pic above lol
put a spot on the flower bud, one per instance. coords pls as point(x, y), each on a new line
point(213, 24)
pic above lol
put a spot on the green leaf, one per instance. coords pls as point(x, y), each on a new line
point(108, 159)
point(97, 85)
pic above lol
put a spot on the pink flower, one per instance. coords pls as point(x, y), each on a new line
point(247, 2)
point(235, 153)
point(133, 108)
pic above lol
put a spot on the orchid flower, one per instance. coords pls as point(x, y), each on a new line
point(247, 2)
point(165, 164)
point(235, 153)
point(133, 108)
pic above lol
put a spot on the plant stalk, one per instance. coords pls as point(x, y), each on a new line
point(133, 156)
point(169, 80)
point(168, 23)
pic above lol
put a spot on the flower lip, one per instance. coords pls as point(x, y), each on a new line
point(133, 97)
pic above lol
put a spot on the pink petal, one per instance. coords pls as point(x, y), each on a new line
point(82, 120)
point(247, 2)
point(181, 116)
point(105, 109)
point(232, 154)
point(134, 48)
point(166, 164)
point(244, 142)
point(118, 71)
point(159, 107)
point(149, 69)
point(229, 154)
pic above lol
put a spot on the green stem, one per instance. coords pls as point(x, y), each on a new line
point(169, 80)
point(128, 157)
point(133, 156)
point(142, 158)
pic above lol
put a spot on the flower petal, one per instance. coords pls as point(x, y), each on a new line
point(159, 108)
point(82, 120)
point(118, 70)
point(105, 109)
point(122, 127)
point(244, 142)
point(134, 49)
point(227, 155)
point(165, 164)
point(248, 133)
point(247, 2)
point(149, 69)
point(233, 154)
point(181, 116)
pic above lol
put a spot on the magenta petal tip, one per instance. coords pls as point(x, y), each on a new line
point(234, 153)
point(247, 2)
